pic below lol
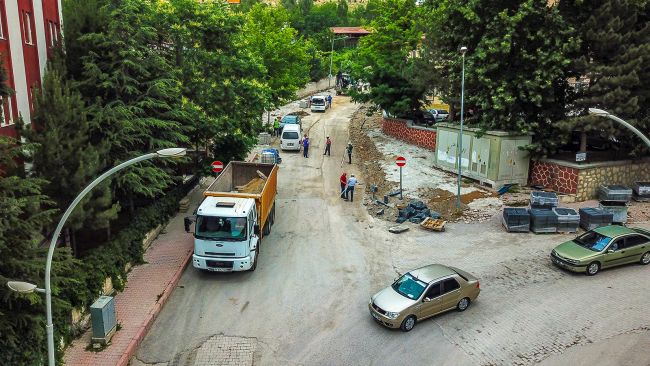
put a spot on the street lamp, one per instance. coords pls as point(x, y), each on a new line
point(602, 113)
point(329, 78)
point(463, 50)
point(25, 287)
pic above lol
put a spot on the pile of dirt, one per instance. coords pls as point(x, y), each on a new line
point(368, 157)
point(298, 113)
point(254, 186)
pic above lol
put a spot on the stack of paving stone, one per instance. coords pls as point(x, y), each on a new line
point(542, 217)
point(641, 191)
point(593, 217)
point(614, 199)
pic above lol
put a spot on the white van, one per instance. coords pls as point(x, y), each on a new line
point(290, 138)
point(318, 103)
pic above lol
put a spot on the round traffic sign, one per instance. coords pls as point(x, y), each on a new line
point(217, 166)
point(400, 161)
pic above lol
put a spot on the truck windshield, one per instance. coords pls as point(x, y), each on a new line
point(221, 228)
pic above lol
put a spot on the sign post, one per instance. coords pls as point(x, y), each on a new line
point(400, 161)
point(217, 166)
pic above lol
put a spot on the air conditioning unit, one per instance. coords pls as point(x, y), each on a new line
point(104, 320)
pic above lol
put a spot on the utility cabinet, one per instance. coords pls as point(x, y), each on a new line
point(494, 158)
point(102, 314)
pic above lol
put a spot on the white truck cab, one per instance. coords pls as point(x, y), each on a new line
point(226, 234)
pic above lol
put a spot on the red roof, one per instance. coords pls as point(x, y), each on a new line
point(350, 30)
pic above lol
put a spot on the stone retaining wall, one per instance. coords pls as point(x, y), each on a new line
point(583, 180)
point(406, 131)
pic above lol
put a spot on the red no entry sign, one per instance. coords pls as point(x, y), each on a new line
point(217, 166)
point(400, 161)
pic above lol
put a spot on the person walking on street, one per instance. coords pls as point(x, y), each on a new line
point(305, 146)
point(344, 185)
point(352, 182)
point(328, 146)
point(349, 151)
point(276, 126)
point(329, 101)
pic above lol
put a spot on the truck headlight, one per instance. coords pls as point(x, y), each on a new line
point(391, 315)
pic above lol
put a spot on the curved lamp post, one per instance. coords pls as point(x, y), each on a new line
point(25, 287)
point(602, 113)
point(463, 50)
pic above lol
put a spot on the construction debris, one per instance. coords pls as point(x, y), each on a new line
point(398, 229)
point(262, 175)
point(415, 212)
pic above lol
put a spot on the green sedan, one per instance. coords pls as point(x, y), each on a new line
point(606, 246)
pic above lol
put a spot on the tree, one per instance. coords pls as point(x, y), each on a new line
point(136, 91)
point(525, 94)
point(64, 156)
point(285, 56)
point(342, 10)
point(612, 61)
point(222, 78)
point(386, 62)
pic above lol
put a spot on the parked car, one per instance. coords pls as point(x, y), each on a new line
point(421, 117)
point(603, 247)
point(439, 114)
point(290, 119)
point(423, 293)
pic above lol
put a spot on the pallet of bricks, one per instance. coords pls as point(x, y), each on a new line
point(614, 199)
point(542, 216)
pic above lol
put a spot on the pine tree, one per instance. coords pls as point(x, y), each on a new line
point(137, 92)
point(64, 156)
point(613, 60)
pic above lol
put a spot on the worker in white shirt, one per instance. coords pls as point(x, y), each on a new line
point(352, 182)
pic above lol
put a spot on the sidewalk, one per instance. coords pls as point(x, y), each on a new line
point(148, 288)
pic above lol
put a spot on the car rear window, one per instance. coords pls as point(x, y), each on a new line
point(290, 119)
point(318, 101)
point(290, 135)
point(461, 276)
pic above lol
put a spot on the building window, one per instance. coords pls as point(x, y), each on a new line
point(6, 110)
point(27, 27)
point(2, 32)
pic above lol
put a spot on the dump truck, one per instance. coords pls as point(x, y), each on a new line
point(237, 212)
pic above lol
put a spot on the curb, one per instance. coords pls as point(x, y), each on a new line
point(153, 314)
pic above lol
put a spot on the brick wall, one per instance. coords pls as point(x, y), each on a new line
point(560, 178)
point(583, 181)
point(404, 130)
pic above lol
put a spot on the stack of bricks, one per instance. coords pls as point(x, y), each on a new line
point(403, 130)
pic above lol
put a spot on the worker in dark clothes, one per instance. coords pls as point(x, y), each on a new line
point(349, 151)
point(328, 146)
point(305, 146)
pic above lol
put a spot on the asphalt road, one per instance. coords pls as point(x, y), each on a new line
point(306, 304)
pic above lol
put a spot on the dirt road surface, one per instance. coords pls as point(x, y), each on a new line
point(306, 304)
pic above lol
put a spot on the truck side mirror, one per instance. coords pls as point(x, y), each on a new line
point(256, 229)
point(188, 222)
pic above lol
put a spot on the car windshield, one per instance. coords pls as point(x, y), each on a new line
point(409, 286)
point(290, 119)
point(593, 241)
point(221, 228)
point(290, 135)
point(318, 101)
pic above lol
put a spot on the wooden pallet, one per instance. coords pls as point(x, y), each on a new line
point(433, 224)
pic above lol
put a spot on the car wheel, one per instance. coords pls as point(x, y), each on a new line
point(267, 227)
point(593, 268)
point(645, 258)
point(408, 323)
point(463, 304)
